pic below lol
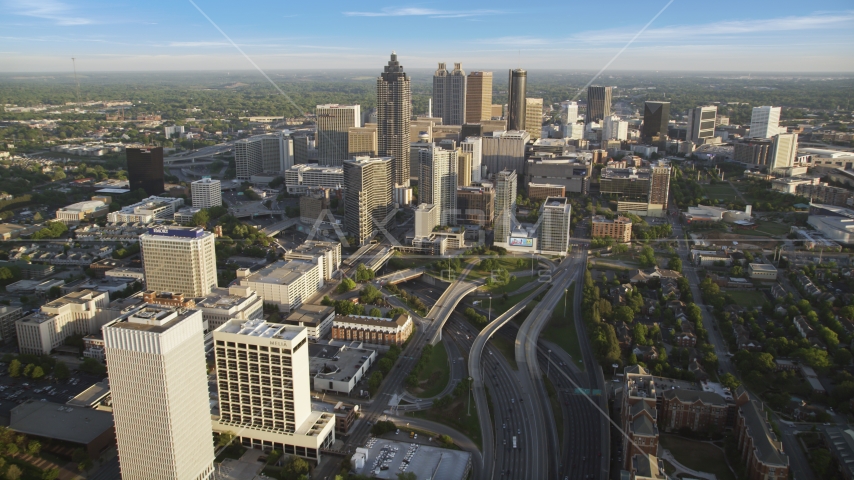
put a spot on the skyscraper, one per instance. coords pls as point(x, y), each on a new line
point(479, 97)
point(554, 227)
point(369, 196)
point(179, 259)
point(394, 112)
point(516, 101)
point(614, 129)
point(438, 181)
point(505, 150)
point(286, 423)
point(701, 123)
point(659, 187)
point(474, 146)
point(656, 116)
point(333, 124)
point(765, 121)
point(534, 117)
point(569, 115)
point(598, 103)
point(271, 153)
point(206, 193)
point(449, 94)
point(784, 150)
point(505, 203)
point(145, 169)
point(158, 383)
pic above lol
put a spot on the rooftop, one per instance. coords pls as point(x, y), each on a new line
point(443, 463)
point(91, 396)
point(763, 267)
point(52, 420)
point(310, 314)
point(336, 363)
point(281, 272)
point(769, 450)
point(260, 328)
point(152, 318)
point(400, 320)
point(626, 173)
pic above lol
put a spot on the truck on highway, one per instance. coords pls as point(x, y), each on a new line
point(514, 441)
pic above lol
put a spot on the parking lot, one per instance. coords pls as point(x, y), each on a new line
point(14, 391)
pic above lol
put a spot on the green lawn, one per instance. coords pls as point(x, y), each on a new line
point(507, 348)
point(699, 456)
point(721, 191)
point(747, 298)
point(561, 330)
point(511, 286)
point(435, 375)
point(456, 416)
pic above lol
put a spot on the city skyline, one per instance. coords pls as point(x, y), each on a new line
point(734, 37)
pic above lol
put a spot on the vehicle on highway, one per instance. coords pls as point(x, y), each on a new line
point(514, 441)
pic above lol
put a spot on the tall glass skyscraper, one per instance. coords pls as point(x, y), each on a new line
point(598, 103)
point(517, 104)
point(394, 112)
point(655, 118)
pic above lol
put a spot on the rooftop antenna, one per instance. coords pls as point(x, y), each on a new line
point(74, 65)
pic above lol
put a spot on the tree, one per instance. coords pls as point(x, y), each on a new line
point(346, 285)
point(385, 365)
point(225, 439)
point(13, 473)
point(375, 381)
point(375, 312)
point(201, 218)
point(409, 475)
point(11, 449)
point(60, 370)
point(295, 469)
point(28, 370)
point(34, 447)
point(675, 264)
point(37, 373)
point(728, 380)
point(15, 368)
point(50, 474)
point(93, 367)
point(820, 461)
point(624, 314)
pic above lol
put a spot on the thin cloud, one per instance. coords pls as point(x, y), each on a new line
point(57, 12)
point(423, 12)
point(521, 41)
point(818, 21)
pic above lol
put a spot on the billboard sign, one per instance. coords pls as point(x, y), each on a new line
point(521, 242)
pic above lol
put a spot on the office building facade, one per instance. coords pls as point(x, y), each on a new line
point(474, 146)
point(145, 169)
point(438, 181)
point(394, 113)
point(753, 152)
point(506, 184)
point(158, 383)
point(269, 408)
point(369, 195)
point(765, 122)
point(300, 178)
point(270, 153)
point(479, 97)
point(569, 112)
point(554, 235)
point(476, 205)
point(362, 141)
point(333, 129)
point(517, 105)
point(701, 123)
point(620, 228)
point(659, 187)
point(573, 173)
point(541, 191)
point(598, 104)
point(449, 94)
point(206, 193)
point(504, 150)
point(179, 259)
point(656, 116)
point(534, 117)
point(285, 283)
point(784, 150)
point(614, 129)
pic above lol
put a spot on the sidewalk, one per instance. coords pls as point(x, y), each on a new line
point(666, 455)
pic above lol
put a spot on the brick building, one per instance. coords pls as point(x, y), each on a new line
point(760, 449)
point(376, 330)
point(541, 191)
point(620, 228)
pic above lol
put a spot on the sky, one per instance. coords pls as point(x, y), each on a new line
point(666, 35)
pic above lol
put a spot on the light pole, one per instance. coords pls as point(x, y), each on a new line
point(615, 369)
point(490, 311)
point(565, 293)
point(469, 395)
point(549, 364)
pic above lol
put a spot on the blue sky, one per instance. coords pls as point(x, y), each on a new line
point(724, 35)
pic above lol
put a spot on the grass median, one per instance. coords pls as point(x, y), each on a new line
point(561, 329)
point(435, 374)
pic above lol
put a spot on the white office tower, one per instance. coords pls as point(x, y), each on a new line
point(569, 112)
point(271, 153)
point(615, 129)
point(206, 193)
point(333, 125)
point(474, 146)
point(572, 131)
point(369, 196)
point(784, 150)
point(439, 181)
point(554, 225)
point(505, 203)
point(179, 260)
point(158, 381)
point(264, 389)
point(426, 218)
point(701, 123)
point(765, 122)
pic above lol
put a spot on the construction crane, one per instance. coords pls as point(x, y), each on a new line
point(74, 65)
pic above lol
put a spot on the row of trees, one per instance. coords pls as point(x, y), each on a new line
point(423, 361)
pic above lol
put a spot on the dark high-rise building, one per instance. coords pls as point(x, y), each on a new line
point(145, 169)
point(656, 115)
point(598, 103)
point(517, 103)
point(449, 94)
point(394, 113)
point(471, 130)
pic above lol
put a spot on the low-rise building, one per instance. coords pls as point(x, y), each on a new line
point(337, 369)
point(317, 319)
point(620, 228)
point(286, 283)
point(136, 274)
point(8, 316)
point(706, 258)
point(82, 211)
point(762, 271)
point(541, 191)
point(835, 223)
point(224, 304)
point(76, 313)
point(476, 205)
point(375, 330)
point(326, 254)
point(147, 211)
point(91, 430)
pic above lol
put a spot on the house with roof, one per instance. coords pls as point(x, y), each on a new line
point(638, 276)
point(645, 353)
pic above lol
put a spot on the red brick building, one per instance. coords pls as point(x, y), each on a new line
point(696, 410)
point(760, 449)
point(379, 331)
